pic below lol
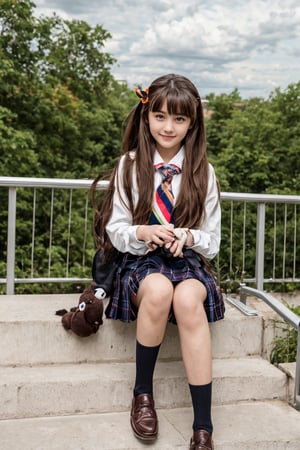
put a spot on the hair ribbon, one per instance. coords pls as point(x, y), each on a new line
point(142, 94)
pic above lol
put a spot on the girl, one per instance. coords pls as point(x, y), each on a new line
point(162, 212)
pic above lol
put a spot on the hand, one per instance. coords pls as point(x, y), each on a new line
point(177, 245)
point(155, 235)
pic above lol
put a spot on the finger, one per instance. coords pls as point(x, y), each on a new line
point(151, 246)
point(178, 249)
point(160, 239)
point(166, 238)
point(168, 230)
point(157, 241)
point(173, 248)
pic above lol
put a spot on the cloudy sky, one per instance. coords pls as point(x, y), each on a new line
point(221, 45)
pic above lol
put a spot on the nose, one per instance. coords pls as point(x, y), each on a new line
point(168, 125)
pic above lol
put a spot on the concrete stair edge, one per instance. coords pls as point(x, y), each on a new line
point(271, 425)
point(290, 370)
point(114, 341)
point(94, 388)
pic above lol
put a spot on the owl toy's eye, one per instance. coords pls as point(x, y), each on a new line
point(81, 306)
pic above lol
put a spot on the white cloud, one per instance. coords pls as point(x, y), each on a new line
point(220, 34)
point(220, 45)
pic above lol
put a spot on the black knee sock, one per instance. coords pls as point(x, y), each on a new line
point(145, 363)
point(201, 399)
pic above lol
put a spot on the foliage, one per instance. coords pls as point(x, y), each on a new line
point(285, 346)
point(254, 144)
point(58, 99)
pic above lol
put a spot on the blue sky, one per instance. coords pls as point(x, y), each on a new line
point(253, 45)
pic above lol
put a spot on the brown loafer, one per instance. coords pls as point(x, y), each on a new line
point(143, 418)
point(201, 440)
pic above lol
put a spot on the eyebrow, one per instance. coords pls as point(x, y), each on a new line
point(167, 112)
point(160, 110)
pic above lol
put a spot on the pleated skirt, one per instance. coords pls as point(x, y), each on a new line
point(133, 269)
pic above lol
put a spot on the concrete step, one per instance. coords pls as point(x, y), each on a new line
point(31, 333)
point(252, 425)
point(95, 388)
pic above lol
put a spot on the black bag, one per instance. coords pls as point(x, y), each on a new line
point(103, 272)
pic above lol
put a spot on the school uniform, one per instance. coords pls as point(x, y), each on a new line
point(137, 262)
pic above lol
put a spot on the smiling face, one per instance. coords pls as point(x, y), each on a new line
point(168, 131)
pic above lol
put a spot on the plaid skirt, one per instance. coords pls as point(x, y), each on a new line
point(133, 269)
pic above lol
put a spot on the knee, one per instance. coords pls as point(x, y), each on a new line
point(186, 306)
point(157, 297)
point(189, 311)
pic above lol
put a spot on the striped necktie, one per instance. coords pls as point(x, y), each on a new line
point(163, 197)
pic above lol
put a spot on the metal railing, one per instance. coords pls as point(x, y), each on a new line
point(35, 183)
point(246, 219)
point(282, 227)
point(289, 317)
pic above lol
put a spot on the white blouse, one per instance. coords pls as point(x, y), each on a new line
point(123, 234)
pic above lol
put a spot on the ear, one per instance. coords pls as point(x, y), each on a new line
point(66, 320)
point(61, 312)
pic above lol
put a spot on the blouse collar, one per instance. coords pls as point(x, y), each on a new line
point(177, 159)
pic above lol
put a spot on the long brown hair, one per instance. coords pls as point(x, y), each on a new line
point(138, 146)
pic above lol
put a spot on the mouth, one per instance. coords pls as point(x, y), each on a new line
point(167, 137)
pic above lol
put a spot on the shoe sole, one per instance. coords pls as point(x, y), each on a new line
point(143, 437)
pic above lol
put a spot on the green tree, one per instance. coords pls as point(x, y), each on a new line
point(287, 106)
point(254, 143)
point(56, 81)
point(222, 107)
point(61, 115)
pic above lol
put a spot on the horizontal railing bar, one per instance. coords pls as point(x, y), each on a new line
point(281, 280)
point(103, 184)
point(275, 304)
point(68, 280)
point(274, 280)
point(50, 183)
point(260, 198)
point(48, 280)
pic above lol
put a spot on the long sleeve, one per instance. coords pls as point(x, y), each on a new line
point(119, 227)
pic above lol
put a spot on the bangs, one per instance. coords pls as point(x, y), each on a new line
point(178, 103)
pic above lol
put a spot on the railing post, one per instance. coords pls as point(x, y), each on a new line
point(243, 294)
point(260, 246)
point(297, 374)
point(11, 240)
